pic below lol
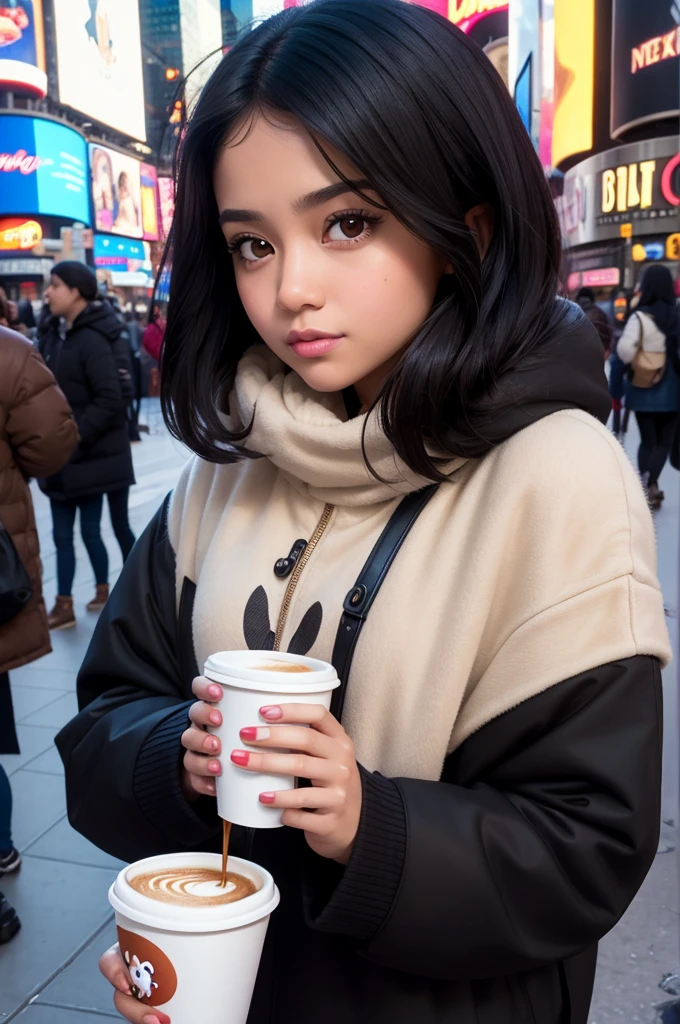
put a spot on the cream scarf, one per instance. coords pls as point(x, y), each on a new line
point(531, 565)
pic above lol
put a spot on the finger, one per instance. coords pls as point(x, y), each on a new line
point(203, 715)
point(301, 766)
point(308, 821)
point(200, 742)
point(206, 690)
point(202, 785)
point(309, 797)
point(291, 737)
point(199, 764)
point(112, 966)
point(138, 1013)
point(303, 714)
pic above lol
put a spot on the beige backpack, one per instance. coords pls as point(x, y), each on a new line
point(648, 367)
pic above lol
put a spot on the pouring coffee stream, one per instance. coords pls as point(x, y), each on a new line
point(226, 832)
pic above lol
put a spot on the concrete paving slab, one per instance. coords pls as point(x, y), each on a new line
point(39, 803)
point(33, 741)
point(43, 676)
point(48, 763)
point(62, 842)
point(26, 700)
point(61, 906)
point(43, 1013)
point(55, 714)
point(80, 983)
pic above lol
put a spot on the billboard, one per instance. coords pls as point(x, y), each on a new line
point(116, 192)
point(166, 200)
point(149, 190)
point(128, 261)
point(572, 123)
point(467, 13)
point(645, 64)
point(99, 57)
point(201, 33)
point(43, 169)
point(22, 46)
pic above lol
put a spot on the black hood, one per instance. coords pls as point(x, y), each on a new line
point(100, 317)
point(565, 372)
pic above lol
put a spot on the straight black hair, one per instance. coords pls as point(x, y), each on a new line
point(657, 297)
point(422, 114)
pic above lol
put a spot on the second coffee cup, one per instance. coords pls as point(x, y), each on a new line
point(251, 680)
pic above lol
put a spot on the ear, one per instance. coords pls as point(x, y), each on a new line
point(480, 222)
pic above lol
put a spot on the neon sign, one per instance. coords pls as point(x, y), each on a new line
point(20, 161)
point(654, 50)
point(466, 13)
point(667, 190)
point(19, 234)
point(628, 186)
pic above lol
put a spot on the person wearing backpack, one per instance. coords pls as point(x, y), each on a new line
point(37, 435)
point(649, 346)
point(91, 364)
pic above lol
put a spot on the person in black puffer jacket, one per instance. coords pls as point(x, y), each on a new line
point(91, 363)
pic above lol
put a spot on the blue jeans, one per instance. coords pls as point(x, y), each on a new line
point(63, 523)
point(5, 813)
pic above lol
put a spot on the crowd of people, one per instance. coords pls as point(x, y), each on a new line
point(70, 391)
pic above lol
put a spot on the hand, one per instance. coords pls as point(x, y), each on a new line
point(112, 966)
point(201, 764)
point(328, 812)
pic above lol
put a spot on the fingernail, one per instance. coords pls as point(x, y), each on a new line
point(211, 744)
point(162, 1017)
point(267, 798)
point(153, 1020)
point(215, 691)
point(271, 711)
point(251, 733)
point(215, 717)
point(240, 757)
point(214, 767)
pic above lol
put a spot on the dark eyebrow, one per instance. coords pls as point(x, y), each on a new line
point(302, 205)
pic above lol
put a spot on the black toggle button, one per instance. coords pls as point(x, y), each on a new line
point(356, 598)
point(284, 566)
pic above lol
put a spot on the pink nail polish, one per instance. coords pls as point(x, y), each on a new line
point(240, 757)
point(214, 767)
point(267, 798)
point(215, 718)
point(271, 712)
point(249, 733)
point(216, 692)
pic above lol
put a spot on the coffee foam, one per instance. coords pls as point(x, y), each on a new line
point(280, 666)
point(192, 887)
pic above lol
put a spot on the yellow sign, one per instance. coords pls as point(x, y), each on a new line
point(574, 78)
point(18, 234)
point(461, 10)
point(626, 231)
point(639, 253)
point(628, 187)
point(673, 247)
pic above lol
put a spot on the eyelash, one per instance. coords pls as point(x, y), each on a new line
point(234, 247)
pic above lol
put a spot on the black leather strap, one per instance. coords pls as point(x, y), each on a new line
point(362, 595)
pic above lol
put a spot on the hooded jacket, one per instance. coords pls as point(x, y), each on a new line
point(86, 365)
point(504, 697)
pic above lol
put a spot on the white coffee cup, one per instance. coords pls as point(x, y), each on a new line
point(200, 961)
point(247, 687)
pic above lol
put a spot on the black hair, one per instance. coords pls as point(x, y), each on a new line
point(657, 297)
point(585, 297)
point(421, 112)
point(600, 322)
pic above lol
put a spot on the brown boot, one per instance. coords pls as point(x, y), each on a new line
point(62, 615)
point(100, 598)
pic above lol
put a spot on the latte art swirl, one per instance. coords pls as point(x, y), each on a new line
point(192, 887)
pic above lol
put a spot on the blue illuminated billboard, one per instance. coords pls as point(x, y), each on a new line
point(43, 169)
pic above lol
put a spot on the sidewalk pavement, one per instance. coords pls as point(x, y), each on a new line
point(48, 973)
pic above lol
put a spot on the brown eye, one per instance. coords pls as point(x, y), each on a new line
point(254, 249)
point(347, 227)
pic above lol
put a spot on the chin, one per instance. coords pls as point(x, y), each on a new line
point(324, 377)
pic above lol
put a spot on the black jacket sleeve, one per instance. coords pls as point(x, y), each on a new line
point(528, 851)
point(107, 405)
point(122, 752)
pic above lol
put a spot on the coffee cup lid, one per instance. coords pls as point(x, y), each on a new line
point(177, 918)
point(246, 670)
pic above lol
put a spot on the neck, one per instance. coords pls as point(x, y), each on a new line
point(369, 387)
point(75, 311)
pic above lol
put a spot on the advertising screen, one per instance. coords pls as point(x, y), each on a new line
point(166, 199)
point(467, 13)
point(99, 58)
point(572, 126)
point(22, 46)
point(43, 169)
point(645, 64)
point(116, 192)
point(149, 182)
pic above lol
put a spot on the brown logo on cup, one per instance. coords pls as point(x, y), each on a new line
point(153, 978)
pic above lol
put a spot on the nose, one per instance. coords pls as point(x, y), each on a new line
point(300, 281)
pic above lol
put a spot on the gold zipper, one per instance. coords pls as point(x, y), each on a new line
point(297, 572)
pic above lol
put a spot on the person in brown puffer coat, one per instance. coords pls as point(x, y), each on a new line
point(37, 436)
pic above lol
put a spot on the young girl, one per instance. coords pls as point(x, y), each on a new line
point(364, 270)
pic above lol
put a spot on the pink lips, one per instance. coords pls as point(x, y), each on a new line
point(310, 344)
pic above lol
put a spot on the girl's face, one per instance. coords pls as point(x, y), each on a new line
point(310, 256)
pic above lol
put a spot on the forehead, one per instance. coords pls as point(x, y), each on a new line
point(272, 159)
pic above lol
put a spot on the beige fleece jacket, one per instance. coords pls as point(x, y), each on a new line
point(528, 566)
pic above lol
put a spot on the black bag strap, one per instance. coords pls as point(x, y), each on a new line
point(362, 595)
